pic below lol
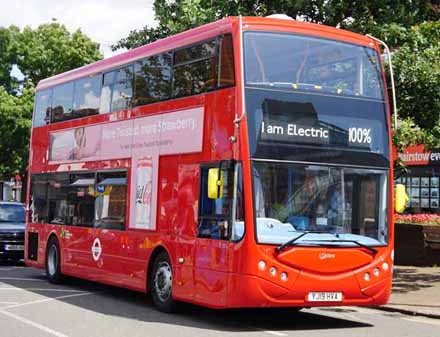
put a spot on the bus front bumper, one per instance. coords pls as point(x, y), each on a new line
point(256, 291)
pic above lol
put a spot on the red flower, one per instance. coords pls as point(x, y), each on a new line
point(423, 218)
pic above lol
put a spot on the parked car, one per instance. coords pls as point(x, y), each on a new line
point(12, 226)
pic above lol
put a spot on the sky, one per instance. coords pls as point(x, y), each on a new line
point(104, 21)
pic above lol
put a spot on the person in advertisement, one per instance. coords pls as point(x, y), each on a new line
point(75, 144)
point(81, 148)
point(80, 143)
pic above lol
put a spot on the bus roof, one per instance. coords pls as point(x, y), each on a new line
point(205, 32)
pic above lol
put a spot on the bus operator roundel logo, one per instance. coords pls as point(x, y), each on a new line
point(96, 249)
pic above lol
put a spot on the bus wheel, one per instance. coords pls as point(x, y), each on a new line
point(53, 258)
point(161, 283)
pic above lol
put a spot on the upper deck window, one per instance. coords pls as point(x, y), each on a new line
point(87, 94)
point(117, 90)
point(62, 102)
point(196, 52)
point(226, 63)
point(195, 69)
point(43, 106)
point(183, 72)
point(310, 64)
point(153, 79)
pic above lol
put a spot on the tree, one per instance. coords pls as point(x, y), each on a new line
point(359, 16)
point(417, 76)
point(7, 58)
point(15, 124)
point(38, 53)
point(51, 49)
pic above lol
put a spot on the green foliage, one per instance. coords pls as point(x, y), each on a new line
point(15, 124)
point(407, 134)
point(417, 76)
point(51, 49)
point(38, 53)
point(359, 16)
point(7, 57)
point(372, 16)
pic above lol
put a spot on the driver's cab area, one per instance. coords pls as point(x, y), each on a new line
point(294, 198)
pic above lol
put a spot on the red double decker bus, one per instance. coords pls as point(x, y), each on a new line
point(243, 163)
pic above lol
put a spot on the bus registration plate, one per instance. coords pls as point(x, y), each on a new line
point(324, 297)
point(14, 247)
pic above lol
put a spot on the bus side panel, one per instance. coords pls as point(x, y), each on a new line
point(76, 254)
point(39, 230)
point(40, 144)
point(211, 278)
point(221, 126)
point(212, 255)
point(185, 227)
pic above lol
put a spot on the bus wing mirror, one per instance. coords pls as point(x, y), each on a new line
point(215, 183)
point(400, 198)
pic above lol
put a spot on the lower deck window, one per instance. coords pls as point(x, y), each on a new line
point(92, 199)
point(110, 201)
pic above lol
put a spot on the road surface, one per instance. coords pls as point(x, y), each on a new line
point(30, 306)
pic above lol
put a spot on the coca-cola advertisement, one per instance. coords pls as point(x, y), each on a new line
point(144, 187)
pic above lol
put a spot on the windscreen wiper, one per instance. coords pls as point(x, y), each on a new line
point(293, 240)
point(371, 249)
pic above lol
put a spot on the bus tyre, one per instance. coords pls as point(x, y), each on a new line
point(161, 280)
point(53, 258)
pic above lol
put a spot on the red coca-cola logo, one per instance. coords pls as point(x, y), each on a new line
point(146, 194)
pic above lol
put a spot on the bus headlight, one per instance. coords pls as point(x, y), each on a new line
point(385, 266)
point(262, 265)
point(283, 276)
point(376, 272)
point(272, 271)
point(367, 277)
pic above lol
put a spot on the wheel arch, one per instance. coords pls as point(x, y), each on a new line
point(156, 251)
point(57, 276)
point(51, 236)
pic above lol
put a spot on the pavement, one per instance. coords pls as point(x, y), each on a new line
point(416, 291)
